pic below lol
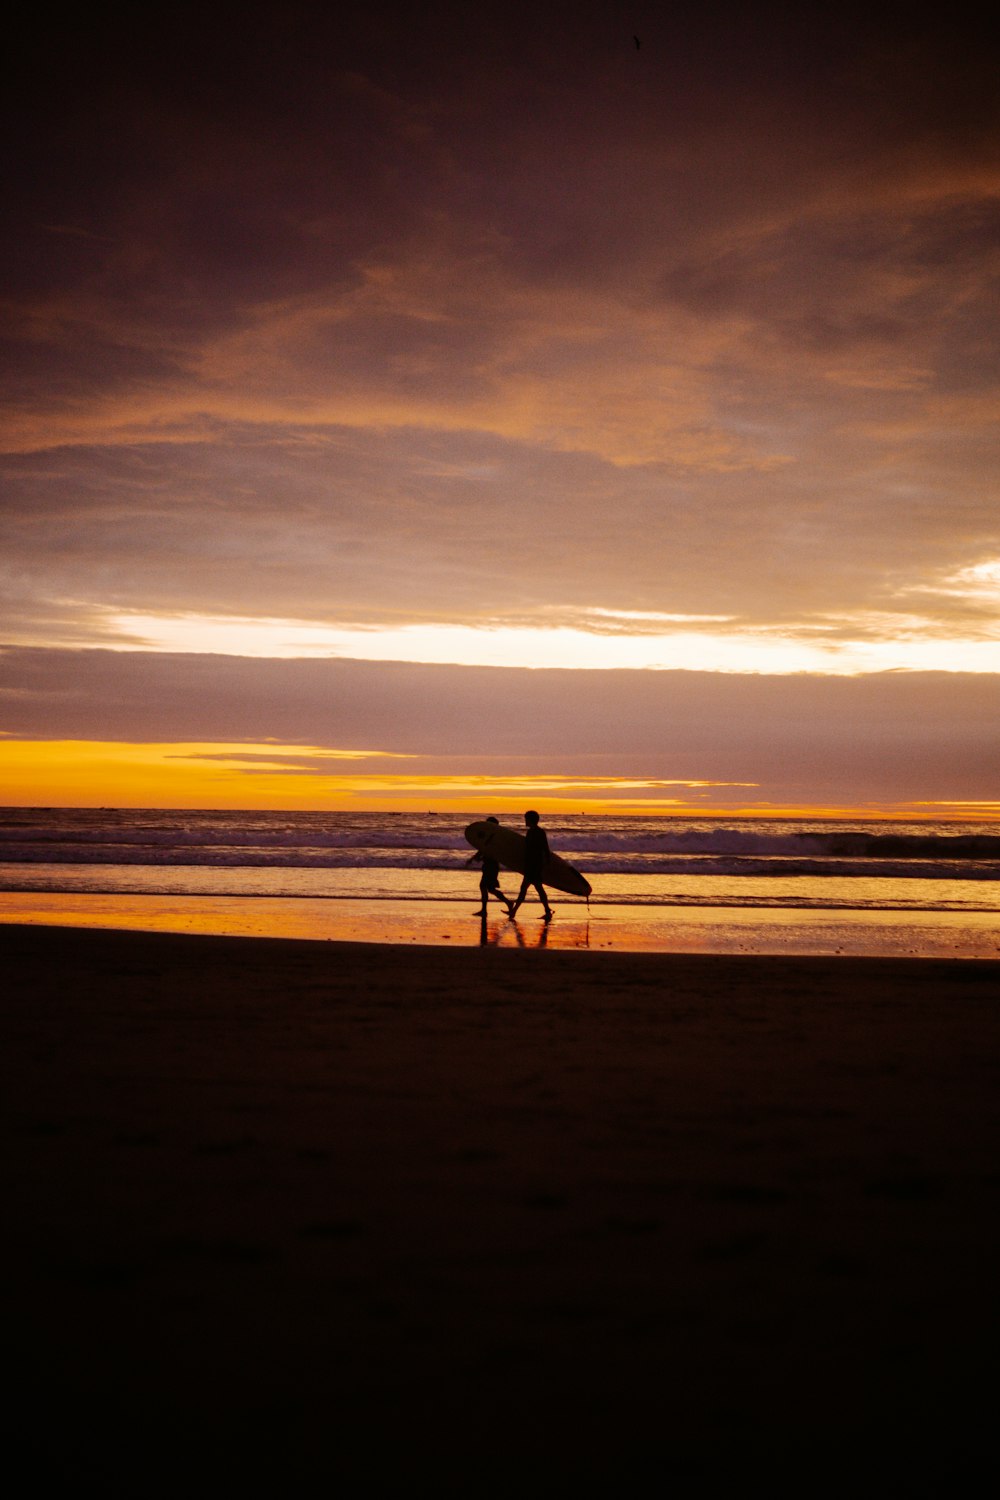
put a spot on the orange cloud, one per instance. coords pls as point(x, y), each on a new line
point(86, 773)
point(278, 777)
point(93, 773)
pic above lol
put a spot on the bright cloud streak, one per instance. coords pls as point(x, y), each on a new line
point(980, 580)
point(507, 646)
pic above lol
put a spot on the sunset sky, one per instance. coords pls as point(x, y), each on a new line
point(448, 405)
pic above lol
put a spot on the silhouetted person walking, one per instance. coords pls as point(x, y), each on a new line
point(489, 881)
point(534, 863)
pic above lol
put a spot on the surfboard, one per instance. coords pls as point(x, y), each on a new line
point(509, 849)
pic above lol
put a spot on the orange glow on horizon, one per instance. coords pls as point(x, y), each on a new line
point(271, 777)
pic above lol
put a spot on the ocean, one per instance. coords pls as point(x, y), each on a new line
point(875, 881)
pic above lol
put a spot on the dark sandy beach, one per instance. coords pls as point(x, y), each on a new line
point(287, 1213)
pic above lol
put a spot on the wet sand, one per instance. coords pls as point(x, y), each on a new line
point(603, 927)
point(285, 1213)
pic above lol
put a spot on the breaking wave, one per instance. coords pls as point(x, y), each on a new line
point(598, 846)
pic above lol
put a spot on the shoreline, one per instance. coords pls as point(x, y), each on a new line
point(973, 935)
point(377, 1214)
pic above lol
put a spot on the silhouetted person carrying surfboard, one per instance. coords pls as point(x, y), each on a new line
point(489, 881)
point(534, 862)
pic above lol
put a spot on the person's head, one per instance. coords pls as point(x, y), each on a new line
point(531, 818)
point(492, 819)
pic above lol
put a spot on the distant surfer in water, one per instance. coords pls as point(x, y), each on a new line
point(534, 862)
point(489, 881)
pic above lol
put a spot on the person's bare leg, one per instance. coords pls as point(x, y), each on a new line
point(520, 896)
point(504, 900)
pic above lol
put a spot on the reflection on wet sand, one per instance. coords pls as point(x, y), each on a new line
point(622, 929)
point(431, 922)
point(502, 932)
